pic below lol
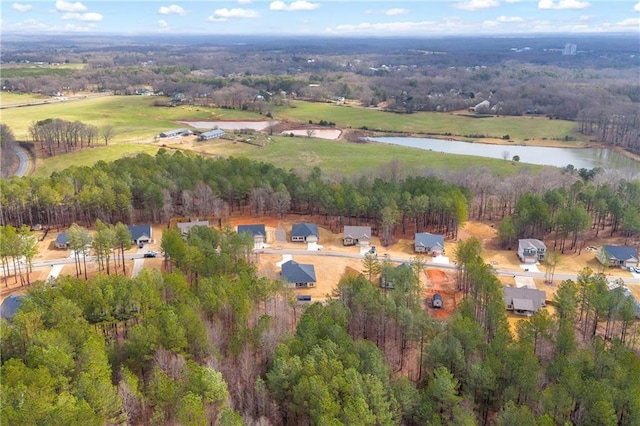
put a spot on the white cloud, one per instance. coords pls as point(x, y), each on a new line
point(72, 28)
point(163, 25)
point(293, 6)
point(396, 11)
point(637, 7)
point(173, 9)
point(225, 14)
point(63, 6)
point(244, 1)
point(87, 17)
point(22, 7)
point(509, 19)
point(563, 4)
point(472, 5)
point(512, 1)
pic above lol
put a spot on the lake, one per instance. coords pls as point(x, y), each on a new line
point(547, 156)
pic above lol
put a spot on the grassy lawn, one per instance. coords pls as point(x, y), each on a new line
point(90, 156)
point(39, 70)
point(135, 117)
point(347, 158)
point(518, 128)
point(137, 120)
point(9, 98)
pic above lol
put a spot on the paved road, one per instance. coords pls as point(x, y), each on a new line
point(396, 259)
point(25, 161)
point(346, 255)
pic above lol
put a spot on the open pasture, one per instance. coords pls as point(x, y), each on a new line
point(519, 129)
point(90, 156)
point(39, 69)
point(135, 118)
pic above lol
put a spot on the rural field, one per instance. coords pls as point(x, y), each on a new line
point(137, 121)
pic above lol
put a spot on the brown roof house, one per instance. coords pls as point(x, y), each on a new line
point(354, 235)
point(523, 301)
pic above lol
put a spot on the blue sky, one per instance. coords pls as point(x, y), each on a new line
point(321, 17)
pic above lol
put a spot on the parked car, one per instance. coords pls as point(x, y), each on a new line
point(151, 254)
point(372, 250)
point(637, 270)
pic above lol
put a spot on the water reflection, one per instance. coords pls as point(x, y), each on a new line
point(547, 156)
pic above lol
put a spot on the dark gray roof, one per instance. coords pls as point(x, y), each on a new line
point(357, 232)
point(138, 231)
point(295, 272)
point(304, 230)
point(517, 296)
point(10, 306)
point(61, 238)
point(622, 252)
point(253, 230)
point(426, 239)
point(531, 243)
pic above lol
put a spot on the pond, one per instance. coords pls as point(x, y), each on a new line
point(587, 158)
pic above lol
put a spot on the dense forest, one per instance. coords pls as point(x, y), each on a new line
point(597, 87)
point(210, 342)
point(563, 205)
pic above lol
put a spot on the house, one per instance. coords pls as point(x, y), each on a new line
point(425, 242)
point(140, 234)
point(259, 232)
point(305, 232)
point(298, 275)
point(390, 276)
point(354, 235)
point(10, 306)
point(212, 134)
point(436, 301)
point(523, 301)
point(185, 227)
point(620, 256)
point(61, 241)
point(531, 250)
point(175, 133)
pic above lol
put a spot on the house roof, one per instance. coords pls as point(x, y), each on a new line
point(622, 252)
point(212, 133)
point(532, 243)
point(357, 232)
point(304, 230)
point(253, 230)
point(138, 231)
point(61, 238)
point(295, 272)
point(186, 226)
point(10, 306)
point(517, 296)
point(426, 239)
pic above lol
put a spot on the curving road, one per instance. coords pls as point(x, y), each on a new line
point(25, 161)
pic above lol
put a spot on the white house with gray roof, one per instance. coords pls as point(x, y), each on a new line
point(425, 242)
point(531, 250)
point(354, 235)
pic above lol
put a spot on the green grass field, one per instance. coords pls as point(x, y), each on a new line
point(90, 156)
point(518, 128)
point(39, 70)
point(137, 121)
point(346, 158)
point(135, 117)
point(10, 98)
